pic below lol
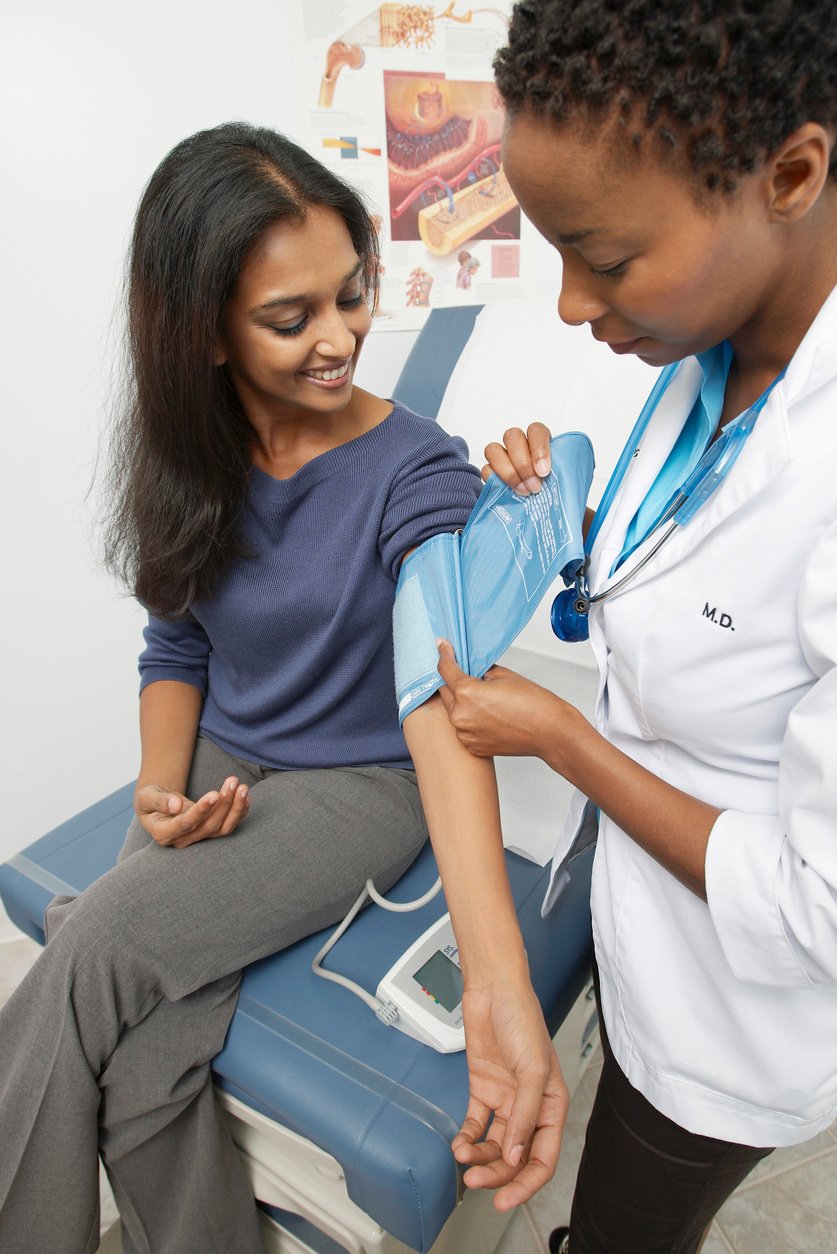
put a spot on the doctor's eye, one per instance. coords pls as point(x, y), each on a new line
point(611, 272)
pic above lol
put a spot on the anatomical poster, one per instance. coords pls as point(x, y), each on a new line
point(399, 99)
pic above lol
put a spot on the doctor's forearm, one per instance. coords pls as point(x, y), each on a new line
point(670, 825)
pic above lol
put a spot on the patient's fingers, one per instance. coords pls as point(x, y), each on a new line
point(539, 1168)
point(490, 1175)
point(515, 1183)
point(478, 1153)
point(469, 1136)
point(486, 1167)
point(540, 1102)
point(189, 826)
point(213, 824)
point(239, 807)
point(214, 814)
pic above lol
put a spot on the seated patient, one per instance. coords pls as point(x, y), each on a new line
point(262, 506)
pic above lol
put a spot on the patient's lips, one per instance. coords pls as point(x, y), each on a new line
point(328, 376)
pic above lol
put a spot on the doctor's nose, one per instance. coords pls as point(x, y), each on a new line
point(578, 300)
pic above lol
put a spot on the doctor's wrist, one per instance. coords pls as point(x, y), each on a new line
point(562, 736)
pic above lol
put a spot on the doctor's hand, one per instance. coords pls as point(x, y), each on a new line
point(501, 715)
point(523, 460)
point(174, 821)
point(511, 1136)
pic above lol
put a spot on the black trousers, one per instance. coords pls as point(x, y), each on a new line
point(645, 1185)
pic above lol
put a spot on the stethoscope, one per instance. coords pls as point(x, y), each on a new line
point(570, 609)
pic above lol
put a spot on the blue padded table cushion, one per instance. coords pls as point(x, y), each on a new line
point(312, 1056)
point(65, 861)
point(427, 370)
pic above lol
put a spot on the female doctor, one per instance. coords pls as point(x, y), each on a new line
point(680, 157)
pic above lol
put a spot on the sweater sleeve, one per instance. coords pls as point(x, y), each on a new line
point(175, 650)
point(433, 490)
point(780, 928)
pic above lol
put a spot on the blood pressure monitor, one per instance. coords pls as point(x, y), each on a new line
point(425, 986)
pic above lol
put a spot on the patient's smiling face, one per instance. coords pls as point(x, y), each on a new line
point(653, 271)
point(297, 320)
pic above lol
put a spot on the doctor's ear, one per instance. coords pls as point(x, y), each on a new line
point(797, 172)
point(220, 355)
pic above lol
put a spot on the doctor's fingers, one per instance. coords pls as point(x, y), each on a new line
point(538, 436)
point(524, 458)
point(460, 712)
point(451, 672)
point(524, 483)
point(479, 709)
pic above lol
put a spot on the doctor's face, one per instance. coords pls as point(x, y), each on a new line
point(651, 270)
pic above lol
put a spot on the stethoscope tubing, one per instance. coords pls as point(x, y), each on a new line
point(583, 603)
point(619, 471)
point(570, 609)
point(583, 600)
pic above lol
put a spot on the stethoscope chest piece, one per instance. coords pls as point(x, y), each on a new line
point(569, 615)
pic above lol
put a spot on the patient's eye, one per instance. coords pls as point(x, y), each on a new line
point(294, 330)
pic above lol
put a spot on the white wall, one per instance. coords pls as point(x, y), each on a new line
point(92, 95)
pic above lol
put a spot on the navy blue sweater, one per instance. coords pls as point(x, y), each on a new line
point(293, 652)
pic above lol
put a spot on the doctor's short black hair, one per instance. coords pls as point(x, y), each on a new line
point(722, 82)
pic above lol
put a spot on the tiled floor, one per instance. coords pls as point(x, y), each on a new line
point(787, 1206)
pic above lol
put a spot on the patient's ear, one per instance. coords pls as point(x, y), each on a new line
point(220, 355)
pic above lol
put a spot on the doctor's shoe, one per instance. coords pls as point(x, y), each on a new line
point(559, 1241)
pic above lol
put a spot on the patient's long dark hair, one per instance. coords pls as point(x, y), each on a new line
point(180, 450)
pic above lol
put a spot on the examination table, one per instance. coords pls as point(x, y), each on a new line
point(345, 1124)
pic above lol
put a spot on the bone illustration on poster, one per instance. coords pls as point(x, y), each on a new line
point(399, 99)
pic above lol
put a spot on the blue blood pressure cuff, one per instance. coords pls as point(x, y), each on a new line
point(479, 587)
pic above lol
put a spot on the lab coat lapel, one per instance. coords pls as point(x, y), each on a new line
point(652, 450)
point(765, 454)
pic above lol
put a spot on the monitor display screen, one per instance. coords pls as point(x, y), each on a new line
point(442, 979)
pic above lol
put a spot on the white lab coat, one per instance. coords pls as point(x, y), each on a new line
point(718, 672)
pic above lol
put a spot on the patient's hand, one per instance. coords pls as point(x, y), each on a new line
point(522, 460)
point(514, 1076)
point(173, 820)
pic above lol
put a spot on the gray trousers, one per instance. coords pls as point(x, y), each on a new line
point(106, 1046)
